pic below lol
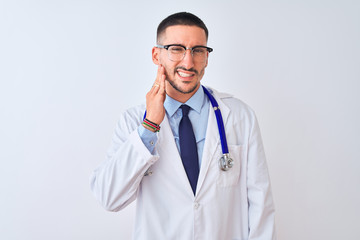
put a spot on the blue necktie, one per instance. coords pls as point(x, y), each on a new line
point(188, 148)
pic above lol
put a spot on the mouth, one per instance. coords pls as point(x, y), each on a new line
point(184, 74)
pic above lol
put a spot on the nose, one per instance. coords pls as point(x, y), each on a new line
point(188, 61)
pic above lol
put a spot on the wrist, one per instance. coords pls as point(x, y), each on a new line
point(151, 125)
point(152, 119)
point(148, 128)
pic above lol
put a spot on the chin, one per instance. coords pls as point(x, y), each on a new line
point(184, 88)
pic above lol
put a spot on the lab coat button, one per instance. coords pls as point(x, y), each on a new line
point(148, 172)
point(196, 205)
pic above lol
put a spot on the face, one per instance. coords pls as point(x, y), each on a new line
point(183, 77)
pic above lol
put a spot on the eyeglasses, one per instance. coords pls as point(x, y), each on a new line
point(176, 52)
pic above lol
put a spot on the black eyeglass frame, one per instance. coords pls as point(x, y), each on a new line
point(209, 49)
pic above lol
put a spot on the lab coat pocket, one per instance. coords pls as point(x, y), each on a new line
point(231, 177)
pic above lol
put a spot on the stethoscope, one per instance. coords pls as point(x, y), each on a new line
point(225, 162)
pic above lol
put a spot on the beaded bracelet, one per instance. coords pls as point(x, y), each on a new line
point(151, 125)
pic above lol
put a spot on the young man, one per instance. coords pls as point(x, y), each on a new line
point(169, 160)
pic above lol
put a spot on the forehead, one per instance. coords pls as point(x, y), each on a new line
point(183, 34)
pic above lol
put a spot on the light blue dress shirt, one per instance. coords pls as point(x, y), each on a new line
point(198, 115)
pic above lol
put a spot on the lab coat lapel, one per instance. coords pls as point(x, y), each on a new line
point(212, 139)
point(169, 153)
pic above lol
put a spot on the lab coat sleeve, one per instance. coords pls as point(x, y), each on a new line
point(261, 206)
point(148, 137)
point(116, 181)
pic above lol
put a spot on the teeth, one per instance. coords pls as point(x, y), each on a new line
point(184, 74)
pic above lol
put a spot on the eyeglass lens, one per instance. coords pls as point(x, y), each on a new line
point(177, 53)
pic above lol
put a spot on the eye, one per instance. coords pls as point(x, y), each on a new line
point(199, 50)
point(176, 49)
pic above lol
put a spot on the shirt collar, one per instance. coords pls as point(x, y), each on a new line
point(195, 102)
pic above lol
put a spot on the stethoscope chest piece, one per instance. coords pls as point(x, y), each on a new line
point(226, 162)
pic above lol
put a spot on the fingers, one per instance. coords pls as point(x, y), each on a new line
point(159, 84)
point(155, 98)
point(156, 85)
point(162, 84)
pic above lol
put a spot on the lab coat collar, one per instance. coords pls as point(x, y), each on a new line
point(219, 96)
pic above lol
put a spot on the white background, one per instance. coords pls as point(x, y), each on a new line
point(68, 69)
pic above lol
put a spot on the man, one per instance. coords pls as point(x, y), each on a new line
point(169, 159)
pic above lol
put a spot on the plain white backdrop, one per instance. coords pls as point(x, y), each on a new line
point(68, 69)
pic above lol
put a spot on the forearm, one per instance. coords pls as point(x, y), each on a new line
point(115, 182)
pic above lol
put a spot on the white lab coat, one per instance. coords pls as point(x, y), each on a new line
point(236, 204)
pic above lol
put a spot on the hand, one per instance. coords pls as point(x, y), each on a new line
point(155, 98)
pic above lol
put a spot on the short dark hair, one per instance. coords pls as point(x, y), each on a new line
point(181, 18)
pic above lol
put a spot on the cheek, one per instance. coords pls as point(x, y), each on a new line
point(202, 70)
point(168, 71)
point(164, 59)
point(169, 68)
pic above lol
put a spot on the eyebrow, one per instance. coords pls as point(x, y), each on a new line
point(177, 44)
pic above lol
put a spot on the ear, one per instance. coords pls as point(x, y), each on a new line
point(156, 55)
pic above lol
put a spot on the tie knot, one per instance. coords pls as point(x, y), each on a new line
point(185, 110)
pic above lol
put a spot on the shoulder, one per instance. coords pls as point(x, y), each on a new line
point(134, 112)
point(237, 115)
point(131, 117)
point(234, 105)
